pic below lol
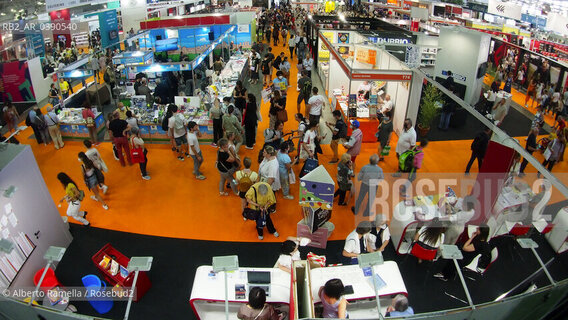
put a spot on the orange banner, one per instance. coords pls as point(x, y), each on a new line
point(367, 56)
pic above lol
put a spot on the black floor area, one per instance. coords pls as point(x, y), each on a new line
point(515, 124)
point(175, 262)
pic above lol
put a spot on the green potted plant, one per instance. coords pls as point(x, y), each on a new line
point(428, 108)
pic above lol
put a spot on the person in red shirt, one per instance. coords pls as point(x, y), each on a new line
point(560, 123)
point(89, 117)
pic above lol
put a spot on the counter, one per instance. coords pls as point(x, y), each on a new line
point(366, 124)
point(73, 126)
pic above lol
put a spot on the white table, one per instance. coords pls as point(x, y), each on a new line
point(511, 197)
point(359, 304)
point(208, 292)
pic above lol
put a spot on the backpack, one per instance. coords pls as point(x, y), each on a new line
point(307, 89)
point(165, 123)
point(406, 160)
point(245, 182)
point(301, 45)
point(178, 122)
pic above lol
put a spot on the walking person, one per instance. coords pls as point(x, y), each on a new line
point(177, 129)
point(89, 117)
point(353, 145)
point(95, 156)
point(384, 133)
point(53, 95)
point(216, 114)
point(250, 119)
point(93, 177)
point(41, 126)
point(285, 68)
point(344, 182)
point(226, 168)
point(406, 141)
point(305, 89)
point(285, 168)
point(418, 159)
point(478, 148)
point(231, 124)
point(369, 176)
point(292, 45)
point(339, 130)
point(194, 150)
point(531, 92)
point(52, 122)
point(11, 116)
point(554, 152)
point(315, 103)
point(531, 146)
point(268, 169)
point(260, 197)
point(118, 133)
point(266, 68)
point(240, 95)
point(74, 197)
point(137, 142)
point(245, 178)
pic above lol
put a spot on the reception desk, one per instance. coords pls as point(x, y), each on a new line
point(208, 292)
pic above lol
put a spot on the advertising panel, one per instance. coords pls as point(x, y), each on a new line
point(504, 9)
point(108, 24)
point(61, 25)
point(15, 82)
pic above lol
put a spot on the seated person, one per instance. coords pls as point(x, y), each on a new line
point(257, 308)
point(388, 104)
point(475, 245)
point(288, 253)
point(459, 219)
point(357, 242)
point(430, 236)
point(399, 307)
point(364, 89)
point(380, 234)
point(334, 304)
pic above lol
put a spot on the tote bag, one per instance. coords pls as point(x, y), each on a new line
point(136, 154)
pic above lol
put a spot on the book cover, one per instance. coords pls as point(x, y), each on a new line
point(105, 262)
point(379, 282)
point(113, 267)
point(240, 291)
point(123, 272)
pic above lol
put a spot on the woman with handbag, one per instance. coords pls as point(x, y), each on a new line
point(93, 178)
point(225, 165)
point(277, 108)
point(137, 145)
point(74, 197)
point(554, 152)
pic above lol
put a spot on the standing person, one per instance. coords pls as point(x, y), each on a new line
point(89, 117)
point(353, 146)
point(331, 296)
point(315, 103)
point(93, 178)
point(308, 143)
point(369, 176)
point(65, 88)
point(384, 133)
point(240, 94)
point(275, 34)
point(53, 95)
point(308, 64)
point(447, 111)
point(11, 116)
point(302, 128)
point(31, 120)
point(277, 104)
point(131, 119)
point(260, 197)
point(277, 61)
point(280, 83)
point(254, 64)
point(178, 132)
point(231, 124)
point(250, 118)
point(41, 126)
point(508, 83)
point(95, 156)
point(301, 48)
point(292, 45)
point(270, 60)
point(531, 146)
point(285, 68)
point(339, 130)
point(357, 242)
point(118, 132)
point(554, 152)
point(344, 174)
point(406, 141)
point(74, 197)
point(269, 168)
point(284, 168)
point(478, 148)
point(52, 122)
point(194, 150)
point(137, 142)
point(257, 308)
point(305, 87)
point(226, 168)
point(531, 92)
point(418, 159)
point(216, 114)
point(266, 69)
point(245, 179)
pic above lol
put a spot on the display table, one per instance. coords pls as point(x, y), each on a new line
point(208, 292)
point(360, 305)
point(367, 125)
point(505, 211)
point(73, 126)
point(123, 278)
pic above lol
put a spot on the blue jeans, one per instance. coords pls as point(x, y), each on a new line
point(445, 120)
point(285, 183)
point(365, 189)
point(197, 164)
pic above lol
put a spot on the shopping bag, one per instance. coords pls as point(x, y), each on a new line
point(282, 115)
point(265, 93)
point(315, 260)
point(309, 165)
point(291, 177)
point(137, 155)
point(547, 153)
point(386, 150)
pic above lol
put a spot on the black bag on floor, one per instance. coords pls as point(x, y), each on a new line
point(308, 166)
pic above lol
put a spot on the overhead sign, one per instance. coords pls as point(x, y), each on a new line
point(504, 9)
point(51, 5)
point(558, 23)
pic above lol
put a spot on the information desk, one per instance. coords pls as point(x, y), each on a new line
point(367, 125)
point(73, 126)
point(362, 287)
point(208, 292)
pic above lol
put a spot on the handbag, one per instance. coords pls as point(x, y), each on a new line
point(282, 115)
point(309, 165)
point(99, 174)
point(386, 150)
point(547, 153)
point(291, 177)
point(136, 154)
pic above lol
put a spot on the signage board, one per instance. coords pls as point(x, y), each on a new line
point(504, 9)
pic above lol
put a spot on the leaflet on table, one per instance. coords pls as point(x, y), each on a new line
point(74, 115)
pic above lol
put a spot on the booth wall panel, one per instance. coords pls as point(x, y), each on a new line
point(39, 83)
point(191, 21)
point(39, 215)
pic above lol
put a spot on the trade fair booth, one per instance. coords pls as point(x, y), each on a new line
point(365, 78)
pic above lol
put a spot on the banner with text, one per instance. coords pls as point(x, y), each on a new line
point(504, 9)
point(61, 26)
point(108, 25)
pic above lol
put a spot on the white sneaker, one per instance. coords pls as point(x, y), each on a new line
point(105, 206)
point(260, 237)
point(105, 188)
point(289, 197)
point(276, 234)
point(146, 177)
point(94, 198)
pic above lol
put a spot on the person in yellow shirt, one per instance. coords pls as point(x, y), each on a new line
point(73, 196)
point(65, 88)
point(121, 109)
point(260, 197)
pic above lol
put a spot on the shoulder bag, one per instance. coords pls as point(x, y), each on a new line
point(136, 154)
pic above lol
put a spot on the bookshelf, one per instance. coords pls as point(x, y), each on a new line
point(428, 57)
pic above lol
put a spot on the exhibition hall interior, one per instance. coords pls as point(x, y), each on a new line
point(283, 160)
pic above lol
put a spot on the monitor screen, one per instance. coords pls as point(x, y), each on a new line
point(166, 45)
point(258, 276)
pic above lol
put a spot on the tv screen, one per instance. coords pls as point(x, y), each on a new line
point(166, 45)
point(113, 34)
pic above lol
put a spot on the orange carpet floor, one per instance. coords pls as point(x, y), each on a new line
point(174, 204)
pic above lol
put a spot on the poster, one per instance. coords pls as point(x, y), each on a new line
point(15, 82)
point(366, 56)
point(108, 24)
point(61, 26)
point(343, 37)
point(504, 9)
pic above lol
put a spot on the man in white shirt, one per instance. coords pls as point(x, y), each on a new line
point(52, 122)
point(315, 104)
point(352, 248)
point(292, 45)
point(308, 63)
point(406, 141)
point(194, 150)
point(459, 220)
point(387, 105)
point(177, 132)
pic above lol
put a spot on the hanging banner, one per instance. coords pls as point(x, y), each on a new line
point(108, 25)
point(557, 23)
point(16, 84)
point(504, 9)
point(61, 27)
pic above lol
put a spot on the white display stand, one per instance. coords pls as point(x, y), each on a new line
point(558, 236)
point(208, 292)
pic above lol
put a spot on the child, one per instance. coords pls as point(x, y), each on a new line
point(94, 155)
point(334, 304)
point(245, 179)
point(418, 159)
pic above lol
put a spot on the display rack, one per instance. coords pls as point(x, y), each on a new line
point(122, 278)
point(428, 57)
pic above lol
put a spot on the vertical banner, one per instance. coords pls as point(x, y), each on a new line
point(108, 24)
point(61, 27)
point(15, 82)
